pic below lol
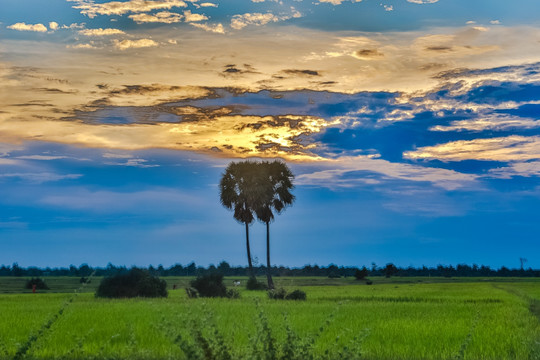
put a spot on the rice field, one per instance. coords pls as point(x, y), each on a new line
point(341, 319)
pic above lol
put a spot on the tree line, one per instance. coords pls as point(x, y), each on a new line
point(192, 269)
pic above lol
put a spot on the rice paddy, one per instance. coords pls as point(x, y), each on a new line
point(341, 319)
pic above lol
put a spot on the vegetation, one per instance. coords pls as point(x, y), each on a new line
point(210, 285)
point(259, 188)
point(134, 283)
point(461, 270)
point(38, 283)
point(396, 318)
point(254, 284)
point(240, 191)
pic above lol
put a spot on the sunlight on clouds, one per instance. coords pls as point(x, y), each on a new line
point(134, 44)
point(510, 148)
point(489, 122)
point(216, 28)
point(164, 17)
point(526, 169)
point(28, 27)
point(91, 9)
point(101, 32)
point(190, 17)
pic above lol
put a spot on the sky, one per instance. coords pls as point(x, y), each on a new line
point(412, 128)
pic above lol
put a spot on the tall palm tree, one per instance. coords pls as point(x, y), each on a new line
point(240, 191)
point(276, 190)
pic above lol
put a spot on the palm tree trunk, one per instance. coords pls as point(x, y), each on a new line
point(268, 266)
point(251, 274)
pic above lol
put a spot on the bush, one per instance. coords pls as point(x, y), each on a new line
point(360, 274)
point(281, 294)
point(134, 283)
point(369, 282)
point(211, 285)
point(40, 284)
point(84, 280)
point(277, 294)
point(296, 295)
point(253, 284)
point(192, 293)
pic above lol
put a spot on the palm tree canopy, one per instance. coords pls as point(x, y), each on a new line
point(241, 189)
point(276, 189)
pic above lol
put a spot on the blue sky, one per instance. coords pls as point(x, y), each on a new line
point(412, 127)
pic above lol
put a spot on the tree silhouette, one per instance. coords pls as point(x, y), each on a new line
point(277, 185)
point(241, 191)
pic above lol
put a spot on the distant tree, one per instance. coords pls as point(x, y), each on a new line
point(240, 190)
point(277, 185)
point(360, 274)
point(390, 270)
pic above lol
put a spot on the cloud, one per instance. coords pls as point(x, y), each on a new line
point(423, 1)
point(526, 169)
point(41, 177)
point(91, 9)
point(490, 122)
point(82, 46)
point(134, 44)
point(164, 17)
point(28, 27)
point(53, 25)
point(207, 4)
point(101, 32)
point(351, 171)
point(189, 17)
point(239, 22)
point(388, 8)
point(111, 202)
point(510, 148)
point(215, 28)
point(338, 2)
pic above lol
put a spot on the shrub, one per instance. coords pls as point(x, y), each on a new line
point(253, 284)
point(369, 282)
point(40, 284)
point(296, 295)
point(134, 283)
point(277, 294)
point(84, 280)
point(360, 274)
point(281, 294)
point(192, 293)
point(211, 285)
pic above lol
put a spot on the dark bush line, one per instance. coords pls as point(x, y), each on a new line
point(225, 269)
point(135, 283)
point(210, 285)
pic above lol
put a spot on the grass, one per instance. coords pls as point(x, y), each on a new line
point(400, 318)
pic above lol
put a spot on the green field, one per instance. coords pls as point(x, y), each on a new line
point(398, 318)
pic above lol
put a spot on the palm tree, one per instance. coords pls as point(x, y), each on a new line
point(240, 191)
point(277, 196)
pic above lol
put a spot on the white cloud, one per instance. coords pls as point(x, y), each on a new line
point(350, 171)
point(338, 2)
point(189, 17)
point(217, 28)
point(28, 27)
point(489, 122)
point(41, 177)
point(207, 4)
point(388, 8)
point(53, 25)
point(422, 1)
point(41, 157)
point(527, 169)
point(130, 44)
point(241, 21)
point(101, 32)
point(164, 17)
point(91, 9)
point(510, 148)
point(82, 46)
